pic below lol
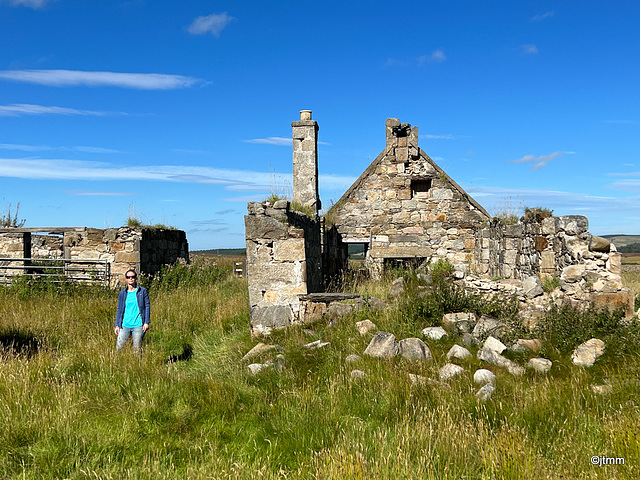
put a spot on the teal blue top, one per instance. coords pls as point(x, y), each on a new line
point(132, 318)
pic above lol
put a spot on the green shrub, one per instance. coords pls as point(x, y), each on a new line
point(550, 283)
point(564, 328)
point(536, 214)
point(182, 274)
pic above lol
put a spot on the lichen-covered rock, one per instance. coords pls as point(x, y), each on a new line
point(494, 344)
point(260, 349)
point(459, 322)
point(397, 287)
point(450, 370)
point(523, 345)
point(434, 333)
point(586, 354)
point(485, 392)
point(459, 353)
point(540, 365)
point(491, 356)
point(414, 349)
point(532, 286)
point(365, 326)
point(483, 376)
point(382, 345)
point(488, 326)
point(339, 309)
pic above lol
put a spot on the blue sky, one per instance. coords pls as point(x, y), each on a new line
point(180, 112)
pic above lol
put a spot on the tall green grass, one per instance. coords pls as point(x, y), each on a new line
point(73, 409)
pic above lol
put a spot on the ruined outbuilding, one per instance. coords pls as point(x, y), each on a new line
point(89, 254)
point(404, 207)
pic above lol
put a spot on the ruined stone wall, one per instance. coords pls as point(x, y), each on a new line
point(144, 249)
point(405, 206)
point(517, 259)
point(13, 245)
point(283, 261)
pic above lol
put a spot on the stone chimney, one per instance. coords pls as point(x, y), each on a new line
point(401, 140)
point(305, 161)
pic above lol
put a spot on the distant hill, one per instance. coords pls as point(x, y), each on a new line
point(223, 251)
point(622, 240)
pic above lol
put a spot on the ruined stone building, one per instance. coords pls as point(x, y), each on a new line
point(88, 254)
point(405, 207)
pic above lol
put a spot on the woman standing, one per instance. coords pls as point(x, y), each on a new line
point(132, 316)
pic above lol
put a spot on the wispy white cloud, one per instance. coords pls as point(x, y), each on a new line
point(225, 212)
point(542, 16)
point(72, 78)
point(213, 24)
point(280, 141)
point(437, 56)
point(447, 136)
point(35, 4)
point(538, 162)
point(272, 141)
point(620, 122)
point(94, 193)
point(18, 109)
point(529, 49)
point(598, 208)
point(43, 148)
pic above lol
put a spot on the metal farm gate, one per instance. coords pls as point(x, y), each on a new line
point(55, 270)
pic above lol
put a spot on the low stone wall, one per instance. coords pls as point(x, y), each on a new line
point(284, 260)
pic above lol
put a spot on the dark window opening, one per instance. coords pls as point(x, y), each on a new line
point(420, 187)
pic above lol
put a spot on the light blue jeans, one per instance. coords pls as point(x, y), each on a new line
point(136, 333)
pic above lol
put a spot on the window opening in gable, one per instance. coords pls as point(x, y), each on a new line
point(420, 187)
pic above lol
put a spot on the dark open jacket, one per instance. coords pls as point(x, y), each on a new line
point(143, 305)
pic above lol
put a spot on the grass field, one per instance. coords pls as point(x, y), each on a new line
point(72, 409)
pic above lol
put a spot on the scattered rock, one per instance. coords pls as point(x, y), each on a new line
point(256, 368)
point(526, 345)
point(494, 344)
point(459, 353)
point(468, 340)
point(260, 349)
point(417, 379)
point(540, 365)
point(483, 376)
point(353, 358)
point(338, 309)
point(434, 333)
point(376, 304)
point(397, 287)
point(485, 392)
point(450, 370)
point(365, 326)
point(488, 326)
point(491, 356)
point(587, 353)
point(602, 389)
point(414, 349)
point(357, 374)
point(425, 278)
point(316, 345)
point(459, 322)
point(532, 286)
point(382, 345)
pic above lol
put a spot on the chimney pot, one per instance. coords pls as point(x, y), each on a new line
point(305, 114)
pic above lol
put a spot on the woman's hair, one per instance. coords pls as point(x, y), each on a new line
point(131, 270)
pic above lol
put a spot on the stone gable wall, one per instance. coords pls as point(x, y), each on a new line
point(404, 206)
point(284, 261)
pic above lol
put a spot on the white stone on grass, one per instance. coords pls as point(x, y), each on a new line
point(485, 392)
point(365, 326)
point(492, 343)
point(587, 353)
point(353, 358)
point(459, 353)
point(483, 376)
point(414, 349)
point(382, 345)
point(450, 370)
point(540, 365)
point(434, 333)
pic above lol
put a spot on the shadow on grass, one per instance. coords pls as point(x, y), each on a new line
point(15, 342)
point(187, 353)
